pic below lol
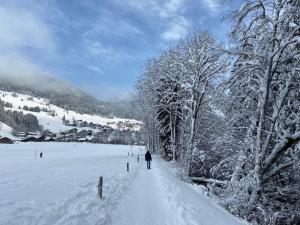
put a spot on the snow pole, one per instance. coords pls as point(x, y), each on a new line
point(127, 166)
point(100, 185)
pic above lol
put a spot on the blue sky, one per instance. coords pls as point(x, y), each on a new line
point(98, 45)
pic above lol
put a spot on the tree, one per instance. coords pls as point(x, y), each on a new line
point(175, 88)
point(263, 94)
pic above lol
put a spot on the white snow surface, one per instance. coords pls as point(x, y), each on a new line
point(61, 188)
point(5, 131)
point(55, 123)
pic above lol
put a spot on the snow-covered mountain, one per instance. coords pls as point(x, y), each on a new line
point(58, 92)
point(57, 120)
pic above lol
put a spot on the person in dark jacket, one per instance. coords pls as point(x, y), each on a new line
point(148, 158)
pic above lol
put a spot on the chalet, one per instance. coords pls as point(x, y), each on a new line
point(31, 134)
point(119, 125)
point(81, 139)
point(29, 139)
point(22, 134)
point(34, 139)
point(72, 131)
point(49, 139)
point(89, 133)
point(129, 125)
point(6, 140)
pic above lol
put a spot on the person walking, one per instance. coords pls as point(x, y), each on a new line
point(148, 158)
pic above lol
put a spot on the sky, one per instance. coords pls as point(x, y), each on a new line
point(99, 45)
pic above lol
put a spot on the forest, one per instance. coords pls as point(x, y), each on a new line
point(18, 120)
point(229, 115)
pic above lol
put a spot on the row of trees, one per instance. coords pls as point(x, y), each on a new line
point(17, 120)
point(234, 115)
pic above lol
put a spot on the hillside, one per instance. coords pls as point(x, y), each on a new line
point(25, 113)
point(57, 92)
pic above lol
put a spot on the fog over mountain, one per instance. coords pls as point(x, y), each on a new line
point(15, 69)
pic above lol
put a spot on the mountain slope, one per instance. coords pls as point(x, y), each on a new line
point(53, 118)
point(57, 92)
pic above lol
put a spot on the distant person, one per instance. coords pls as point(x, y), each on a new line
point(148, 158)
point(41, 154)
point(138, 159)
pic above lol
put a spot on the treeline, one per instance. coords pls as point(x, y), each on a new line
point(233, 115)
point(34, 109)
point(17, 120)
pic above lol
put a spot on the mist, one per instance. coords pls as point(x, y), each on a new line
point(19, 71)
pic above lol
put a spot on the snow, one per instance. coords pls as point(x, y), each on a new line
point(157, 196)
point(5, 131)
point(61, 188)
point(55, 123)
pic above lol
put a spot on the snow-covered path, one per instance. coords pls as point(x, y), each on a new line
point(144, 202)
point(60, 189)
point(158, 197)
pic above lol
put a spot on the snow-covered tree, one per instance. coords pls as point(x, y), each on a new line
point(263, 110)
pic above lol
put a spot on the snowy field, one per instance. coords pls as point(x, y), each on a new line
point(61, 188)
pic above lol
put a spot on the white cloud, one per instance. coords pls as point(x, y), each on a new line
point(170, 8)
point(22, 28)
point(165, 14)
point(162, 8)
point(96, 69)
point(114, 26)
point(96, 48)
point(177, 30)
point(212, 5)
point(16, 66)
point(106, 90)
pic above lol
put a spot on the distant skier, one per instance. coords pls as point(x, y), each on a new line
point(138, 159)
point(148, 158)
point(41, 154)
